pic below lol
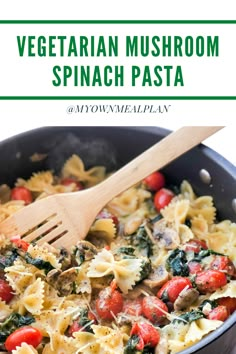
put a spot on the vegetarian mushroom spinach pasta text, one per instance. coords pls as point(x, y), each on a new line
point(155, 274)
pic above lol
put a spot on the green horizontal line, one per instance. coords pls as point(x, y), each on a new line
point(80, 98)
point(117, 22)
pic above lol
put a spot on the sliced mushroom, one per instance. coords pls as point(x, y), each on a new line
point(65, 282)
point(165, 236)
point(52, 277)
point(84, 251)
point(186, 298)
point(157, 277)
point(62, 281)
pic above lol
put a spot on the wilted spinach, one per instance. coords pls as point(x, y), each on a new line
point(130, 347)
point(38, 263)
point(8, 259)
point(190, 316)
point(177, 263)
point(213, 304)
point(12, 322)
point(142, 241)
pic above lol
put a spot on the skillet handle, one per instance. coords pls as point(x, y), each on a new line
point(153, 159)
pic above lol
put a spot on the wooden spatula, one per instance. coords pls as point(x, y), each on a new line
point(63, 219)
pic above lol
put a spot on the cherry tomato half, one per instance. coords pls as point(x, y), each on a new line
point(152, 309)
point(172, 288)
point(29, 335)
point(6, 291)
point(223, 263)
point(68, 181)
point(22, 193)
point(210, 280)
point(155, 181)
point(162, 198)
point(148, 335)
point(109, 302)
point(219, 313)
point(194, 267)
point(228, 302)
point(18, 242)
point(195, 245)
point(133, 307)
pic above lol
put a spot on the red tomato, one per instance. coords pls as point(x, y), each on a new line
point(148, 335)
point(173, 288)
point(109, 302)
point(106, 215)
point(21, 193)
point(155, 181)
point(228, 302)
point(219, 313)
point(194, 267)
point(195, 245)
point(75, 327)
point(68, 181)
point(18, 242)
point(152, 308)
point(133, 307)
point(6, 291)
point(29, 335)
point(162, 198)
point(223, 263)
point(210, 280)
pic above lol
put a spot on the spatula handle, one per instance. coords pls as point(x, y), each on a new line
point(156, 157)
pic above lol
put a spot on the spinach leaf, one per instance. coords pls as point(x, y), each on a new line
point(8, 259)
point(190, 316)
point(12, 322)
point(38, 263)
point(84, 320)
point(142, 241)
point(130, 347)
point(177, 263)
point(205, 253)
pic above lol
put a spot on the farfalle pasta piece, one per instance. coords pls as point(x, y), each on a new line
point(229, 290)
point(25, 349)
point(60, 345)
point(33, 297)
point(74, 166)
point(199, 226)
point(199, 328)
point(21, 274)
point(203, 206)
point(110, 340)
point(106, 226)
point(176, 211)
point(50, 322)
point(126, 272)
point(128, 202)
point(222, 238)
point(185, 233)
point(39, 181)
point(42, 252)
point(87, 343)
point(187, 191)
